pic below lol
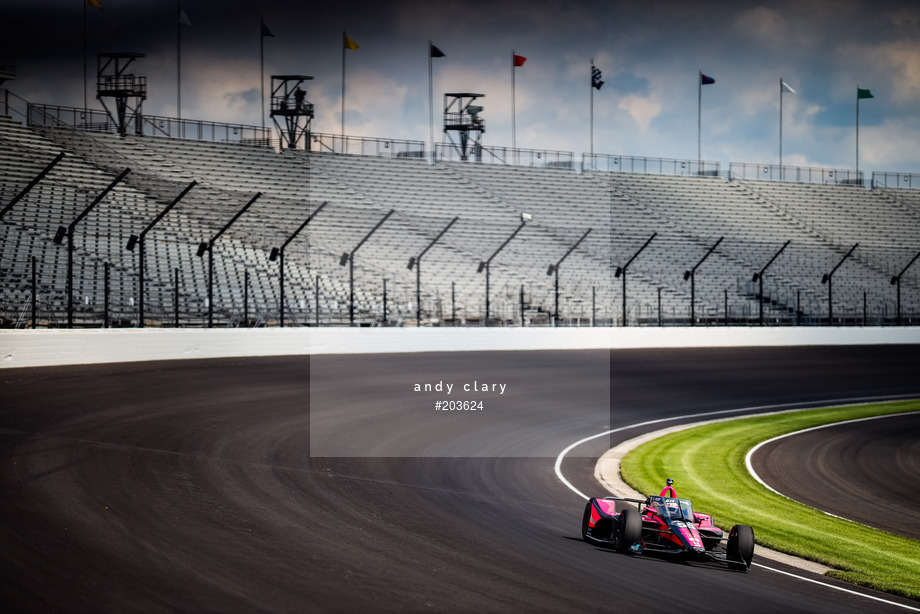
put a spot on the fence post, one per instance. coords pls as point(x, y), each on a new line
point(246, 298)
point(34, 291)
point(176, 298)
point(105, 295)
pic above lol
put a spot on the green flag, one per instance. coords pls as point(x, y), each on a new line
point(860, 93)
point(267, 32)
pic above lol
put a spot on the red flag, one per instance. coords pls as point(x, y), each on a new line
point(519, 60)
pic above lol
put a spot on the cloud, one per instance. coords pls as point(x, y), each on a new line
point(764, 23)
point(900, 64)
point(648, 50)
point(236, 100)
point(641, 109)
point(375, 105)
point(888, 146)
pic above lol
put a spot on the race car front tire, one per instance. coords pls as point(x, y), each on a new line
point(629, 530)
point(740, 547)
point(586, 519)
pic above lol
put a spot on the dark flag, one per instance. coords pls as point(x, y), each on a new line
point(596, 77)
point(436, 53)
point(705, 80)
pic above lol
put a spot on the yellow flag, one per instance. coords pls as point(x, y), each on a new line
point(95, 3)
point(350, 44)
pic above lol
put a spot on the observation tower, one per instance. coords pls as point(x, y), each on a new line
point(290, 107)
point(461, 116)
point(128, 91)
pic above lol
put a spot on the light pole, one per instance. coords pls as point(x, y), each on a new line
point(416, 261)
point(69, 230)
point(350, 259)
point(525, 217)
point(897, 280)
point(32, 184)
point(691, 275)
point(759, 277)
point(279, 252)
point(829, 280)
point(139, 240)
point(554, 268)
point(622, 271)
point(209, 247)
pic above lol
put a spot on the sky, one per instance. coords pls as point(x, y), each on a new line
point(650, 54)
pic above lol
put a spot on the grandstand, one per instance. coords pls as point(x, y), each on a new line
point(688, 209)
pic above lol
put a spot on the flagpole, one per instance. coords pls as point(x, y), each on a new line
point(85, 105)
point(513, 137)
point(780, 128)
point(178, 59)
point(857, 130)
point(262, 67)
point(430, 106)
point(343, 89)
point(591, 87)
point(699, 118)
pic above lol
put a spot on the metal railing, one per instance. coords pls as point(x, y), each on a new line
point(795, 174)
point(366, 146)
point(14, 106)
point(649, 166)
point(95, 120)
point(895, 180)
point(540, 158)
point(198, 130)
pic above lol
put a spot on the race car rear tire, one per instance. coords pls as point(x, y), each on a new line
point(629, 530)
point(740, 548)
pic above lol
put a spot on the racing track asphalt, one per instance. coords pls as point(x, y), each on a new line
point(864, 471)
point(189, 486)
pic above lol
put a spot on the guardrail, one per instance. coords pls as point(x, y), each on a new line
point(649, 166)
point(795, 174)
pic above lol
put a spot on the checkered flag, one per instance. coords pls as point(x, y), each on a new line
point(596, 77)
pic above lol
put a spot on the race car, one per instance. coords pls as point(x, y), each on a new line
point(668, 526)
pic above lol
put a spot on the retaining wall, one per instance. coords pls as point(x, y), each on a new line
point(34, 348)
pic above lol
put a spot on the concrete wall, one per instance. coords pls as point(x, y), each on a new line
point(28, 348)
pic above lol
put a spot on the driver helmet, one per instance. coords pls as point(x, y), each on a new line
point(670, 481)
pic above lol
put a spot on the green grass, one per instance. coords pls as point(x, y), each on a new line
point(707, 464)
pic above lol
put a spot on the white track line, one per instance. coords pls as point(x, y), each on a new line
point(750, 454)
point(773, 409)
point(840, 588)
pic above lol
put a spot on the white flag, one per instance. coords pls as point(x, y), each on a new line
point(787, 88)
point(183, 18)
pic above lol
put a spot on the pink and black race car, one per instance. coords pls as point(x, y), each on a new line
point(668, 526)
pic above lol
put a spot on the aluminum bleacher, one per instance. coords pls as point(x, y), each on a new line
point(688, 213)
